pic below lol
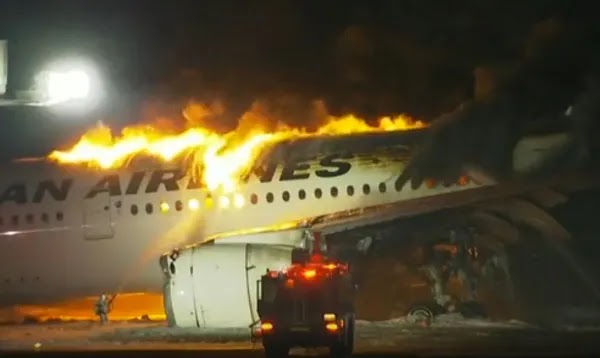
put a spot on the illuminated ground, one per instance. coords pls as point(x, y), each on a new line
point(448, 334)
point(125, 307)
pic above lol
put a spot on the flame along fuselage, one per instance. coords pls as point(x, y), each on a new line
point(68, 231)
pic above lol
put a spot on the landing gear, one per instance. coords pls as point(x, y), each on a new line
point(458, 257)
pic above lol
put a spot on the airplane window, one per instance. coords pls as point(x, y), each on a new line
point(270, 197)
point(29, 218)
point(45, 217)
point(318, 193)
point(285, 196)
point(59, 216)
point(382, 187)
point(366, 189)
point(254, 199)
point(301, 194)
point(134, 209)
point(398, 186)
point(178, 205)
point(334, 191)
point(149, 208)
point(430, 183)
point(350, 190)
point(15, 220)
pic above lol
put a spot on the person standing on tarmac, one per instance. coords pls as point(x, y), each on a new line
point(103, 307)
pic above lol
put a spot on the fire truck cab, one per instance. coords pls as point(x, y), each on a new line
point(309, 304)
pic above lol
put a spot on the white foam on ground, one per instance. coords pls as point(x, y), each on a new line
point(451, 320)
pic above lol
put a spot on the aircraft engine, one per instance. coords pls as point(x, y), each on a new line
point(215, 285)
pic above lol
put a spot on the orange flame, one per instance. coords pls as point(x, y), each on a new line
point(218, 159)
point(129, 306)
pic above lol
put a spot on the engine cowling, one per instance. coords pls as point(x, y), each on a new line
point(215, 285)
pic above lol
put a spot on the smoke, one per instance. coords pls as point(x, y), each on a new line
point(367, 58)
point(265, 114)
point(515, 98)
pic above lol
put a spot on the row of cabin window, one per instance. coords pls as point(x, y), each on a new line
point(318, 193)
point(366, 189)
point(270, 197)
point(30, 218)
point(149, 208)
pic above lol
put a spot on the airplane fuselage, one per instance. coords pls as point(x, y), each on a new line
point(80, 232)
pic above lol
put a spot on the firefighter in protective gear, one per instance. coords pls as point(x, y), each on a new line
point(453, 258)
point(103, 307)
point(461, 263)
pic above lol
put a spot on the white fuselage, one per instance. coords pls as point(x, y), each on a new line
point(68, 242)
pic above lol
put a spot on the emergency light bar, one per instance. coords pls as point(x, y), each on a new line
point(310, 271)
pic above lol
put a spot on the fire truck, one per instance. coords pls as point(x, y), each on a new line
point(309, 304)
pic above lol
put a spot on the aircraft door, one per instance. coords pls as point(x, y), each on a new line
point(97, 217)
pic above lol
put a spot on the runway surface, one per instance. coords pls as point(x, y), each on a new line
point(447, 335)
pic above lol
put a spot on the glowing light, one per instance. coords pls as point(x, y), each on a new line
point(64, 86)
point(194, 204)
point(266, 327)
point(238, 200)
point(332, 327)
point(164, 207)
point(329, 317)
point(224, 202)
point(309, 274)
point(330, 266)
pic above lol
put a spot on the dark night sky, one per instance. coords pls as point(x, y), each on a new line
point(367, 57)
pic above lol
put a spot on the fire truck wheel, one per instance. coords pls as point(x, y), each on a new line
point(276, 350)
point(345, 346)
point(424, 311)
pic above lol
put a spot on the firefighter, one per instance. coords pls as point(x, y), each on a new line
point(103, 307)
point(437, 273)
point(452, 258)
point(461, 263)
